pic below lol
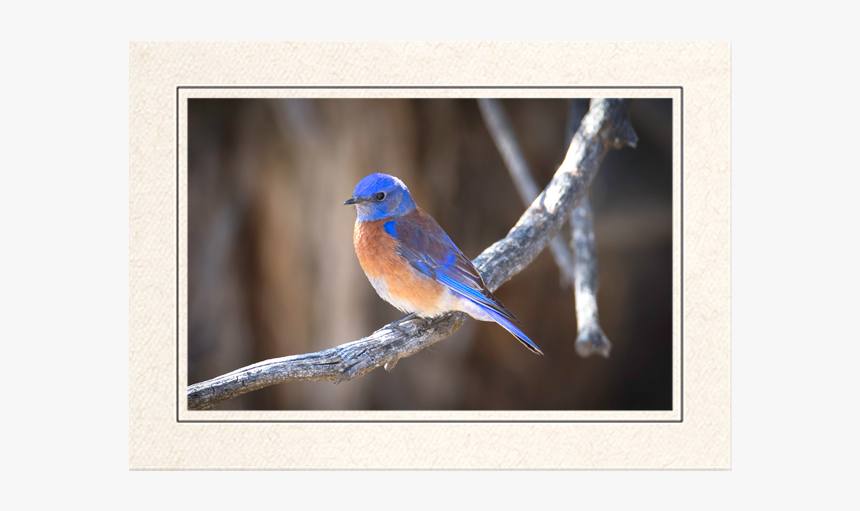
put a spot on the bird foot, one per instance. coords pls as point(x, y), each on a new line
point(396, 325)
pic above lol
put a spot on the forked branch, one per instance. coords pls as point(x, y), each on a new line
point(506, 142)
point(590, 337)
point(579, 264)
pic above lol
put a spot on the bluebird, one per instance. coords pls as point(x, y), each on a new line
point(411, 262)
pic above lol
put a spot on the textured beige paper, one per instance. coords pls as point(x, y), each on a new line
point(158, 440)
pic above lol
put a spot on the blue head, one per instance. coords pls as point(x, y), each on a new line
point(380, 196)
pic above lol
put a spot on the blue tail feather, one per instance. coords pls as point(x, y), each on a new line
point(516, 332)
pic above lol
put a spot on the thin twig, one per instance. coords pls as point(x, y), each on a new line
point(590, 337)
point(506, 141)
point(607, 126)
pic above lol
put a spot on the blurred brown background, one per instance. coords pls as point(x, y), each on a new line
point(272, 269)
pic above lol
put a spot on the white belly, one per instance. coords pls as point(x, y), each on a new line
point(445, 303)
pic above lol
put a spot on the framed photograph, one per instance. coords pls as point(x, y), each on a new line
point(572, 206)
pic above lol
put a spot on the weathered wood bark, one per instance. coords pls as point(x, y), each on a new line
point(606, 126)
point(578, 265)
point(506, 141)
point(590, 337)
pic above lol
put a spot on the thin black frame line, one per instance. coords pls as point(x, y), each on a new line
point(374, 421)
point(418, 87)
point(428, 421)
point(682, 254)
point(177, 257)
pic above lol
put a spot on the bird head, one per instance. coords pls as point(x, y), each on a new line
point(380, 196)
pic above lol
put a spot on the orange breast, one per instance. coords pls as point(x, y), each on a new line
point(394, 279)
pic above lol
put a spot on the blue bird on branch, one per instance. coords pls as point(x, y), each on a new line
point(411, 262)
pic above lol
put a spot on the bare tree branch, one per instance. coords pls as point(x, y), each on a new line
point(506, 141)
point(581, 268)
point(606, 126)
point(590, 337)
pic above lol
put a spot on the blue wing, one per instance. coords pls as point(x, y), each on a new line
point(423, 243)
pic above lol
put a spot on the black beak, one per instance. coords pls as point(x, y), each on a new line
point(354, 200)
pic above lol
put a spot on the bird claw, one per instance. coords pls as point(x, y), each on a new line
point(400, 329)
point(396, 325)
point(410, 317)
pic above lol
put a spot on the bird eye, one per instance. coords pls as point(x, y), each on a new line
point(380, 196)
